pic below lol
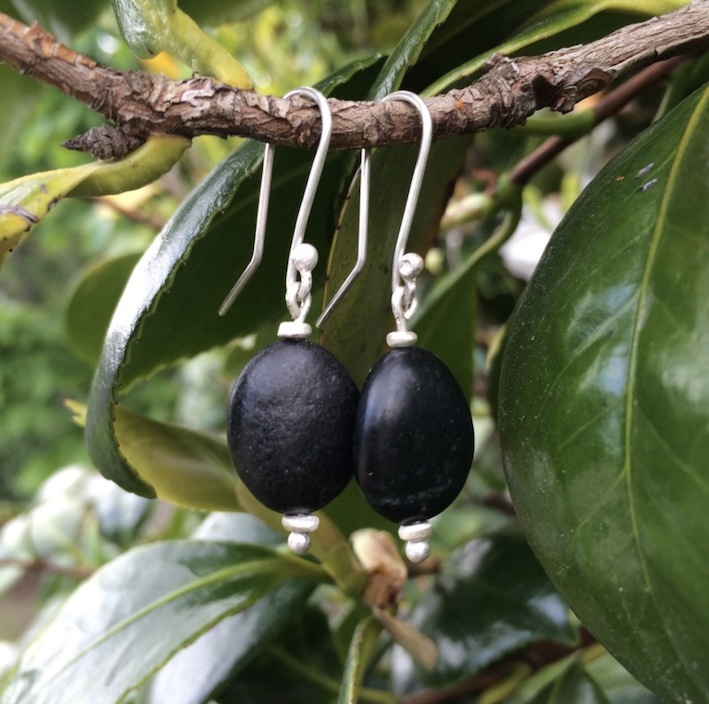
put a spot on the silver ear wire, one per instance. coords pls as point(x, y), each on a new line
point(406, 267)
point(303, 257)
point(298, 261)
point(364, 179)
point(259, 235)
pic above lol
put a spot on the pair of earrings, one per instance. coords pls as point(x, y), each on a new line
point(298, 428)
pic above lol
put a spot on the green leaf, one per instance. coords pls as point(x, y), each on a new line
point(472, 28)
point(604, 405)
point(186, 467)
point(410, 47)
point(151, 26)
point(619, 686)
point(25, 201)
point(90, 306)
point(169, 310)
point(152, 601)
point(493, 598)
point(215, 12)
point(63, 20)
point(445, 323)
point(20, 109)
point(361, 648)
point(196, 671)
point(300, 661)
point(573, 685)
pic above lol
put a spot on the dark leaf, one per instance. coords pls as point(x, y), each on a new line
point(494, 598)
point(604, 405)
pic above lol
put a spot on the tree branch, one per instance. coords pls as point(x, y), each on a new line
point(508, 93)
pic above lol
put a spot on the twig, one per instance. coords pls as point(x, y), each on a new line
point(131, 213)
point(41, 565)
point(608, 106)
point(536, 657)
point(505, 96)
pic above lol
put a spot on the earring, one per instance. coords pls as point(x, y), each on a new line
point(414, 439)
point(291, 411)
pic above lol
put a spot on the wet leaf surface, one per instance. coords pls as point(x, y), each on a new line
point(604, 405)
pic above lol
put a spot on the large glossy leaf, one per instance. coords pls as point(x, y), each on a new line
point(128, 619)
point(494, 598)
point(604, 405)
point(195, 672)
point(169, 310)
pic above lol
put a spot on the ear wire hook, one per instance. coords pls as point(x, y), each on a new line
point(364, 179)
point(406, 267)
point(259, 235)
point(303, 212)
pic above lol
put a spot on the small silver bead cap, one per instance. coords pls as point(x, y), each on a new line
point(415, 537)
point(300, 526)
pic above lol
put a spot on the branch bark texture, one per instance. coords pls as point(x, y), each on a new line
point(508, 93)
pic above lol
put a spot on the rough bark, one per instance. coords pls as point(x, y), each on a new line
point(504, 96)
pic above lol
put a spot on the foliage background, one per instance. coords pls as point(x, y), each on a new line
point(66, 523)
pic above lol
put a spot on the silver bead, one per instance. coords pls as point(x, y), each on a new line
point(305, 257)
point(410, 266)
point(417, 550)
point(298, 543)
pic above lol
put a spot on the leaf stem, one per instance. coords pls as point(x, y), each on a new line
point(329, 684)
point(511, 196)
point(500, 691)
point(302, 568)
point(359, 653)
point(72, 571)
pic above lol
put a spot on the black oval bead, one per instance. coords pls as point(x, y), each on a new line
point(414, 439)
point(290, 425)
